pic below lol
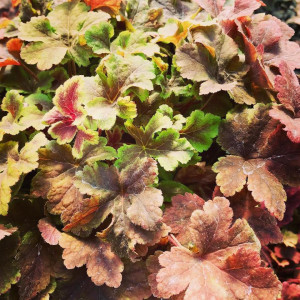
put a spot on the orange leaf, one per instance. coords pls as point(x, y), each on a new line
point(114, 5)
point(15, 2)
point(14, 45)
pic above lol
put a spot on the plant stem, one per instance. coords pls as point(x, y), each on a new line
point(30, 72)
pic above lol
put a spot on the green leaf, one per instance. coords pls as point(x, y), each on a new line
point(105, 93)
point(200, 129)
point(13, 105)
point(152, 141)
point(13, 164)
point(134, 43)
point(10, 273)
point(98, 37)
point(57, 35)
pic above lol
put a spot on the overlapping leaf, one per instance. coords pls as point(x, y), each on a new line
point(287, 85)
point(229, 9)
point(125, 194)
point(214, 62)
point(57, 35)
point(56, 179)
point(261, 221)
point(167, 146)
point(224, 262)
point(271, 38)
point(14, 163)
point(106, 95)
point(266, 158)
point(98, 38)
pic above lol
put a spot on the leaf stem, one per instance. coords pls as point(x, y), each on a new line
point(207, 101)
point(30, 72)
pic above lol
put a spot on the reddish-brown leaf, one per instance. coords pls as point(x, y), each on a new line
point(261, 221)
point(178, 215)
point(224, 264)
point(290, 291)
point(103, 266)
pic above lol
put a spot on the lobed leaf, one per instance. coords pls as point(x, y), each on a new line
point(103, 266)
point(127, 195)
point(164, 145)
point(223, 254)
point(57, 35)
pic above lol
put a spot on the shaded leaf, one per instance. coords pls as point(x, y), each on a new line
point(35, 260)
point(13, 163)
point(9, 270)
point(55, 181)
point(200, 129)
point(103, 266)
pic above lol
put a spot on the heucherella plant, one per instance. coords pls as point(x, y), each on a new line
point(148, 150)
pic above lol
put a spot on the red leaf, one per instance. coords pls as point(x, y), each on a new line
point(288, 88)
point(290, 291)
point(114, 5)
point(15, 2)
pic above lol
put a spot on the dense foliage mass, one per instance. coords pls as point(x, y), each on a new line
point(149, 149)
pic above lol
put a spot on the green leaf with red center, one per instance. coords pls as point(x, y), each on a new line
point(68, 118)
